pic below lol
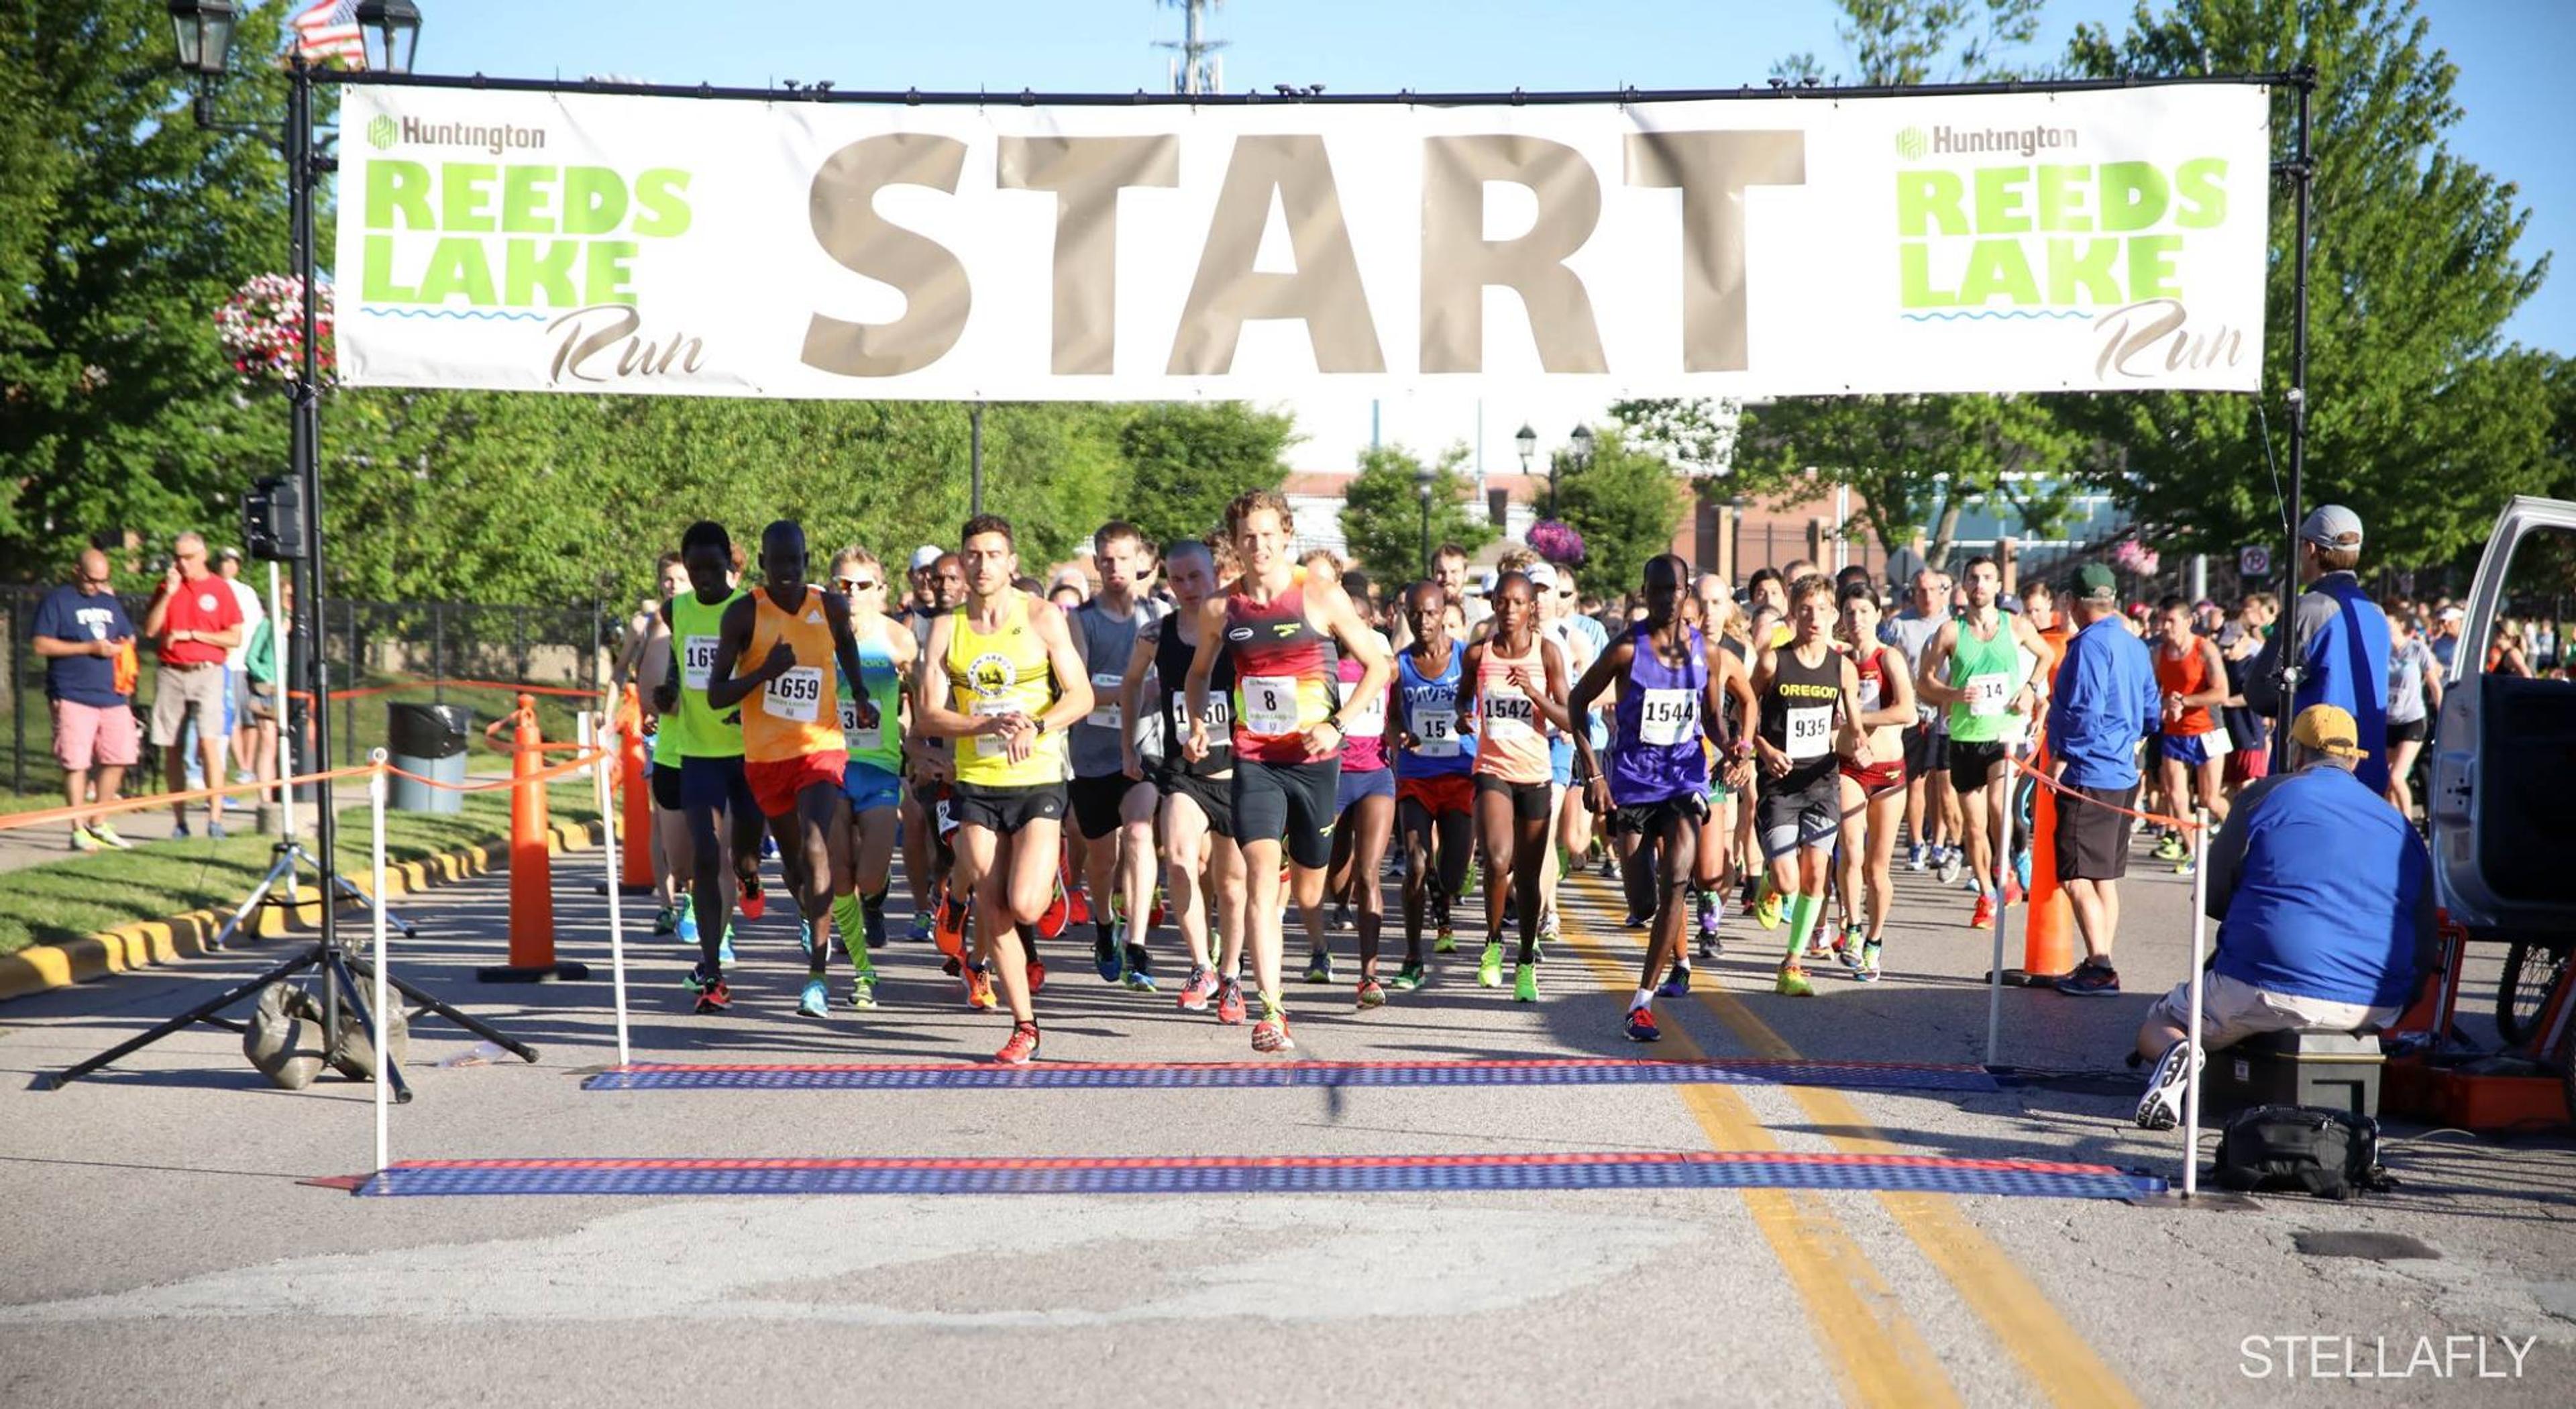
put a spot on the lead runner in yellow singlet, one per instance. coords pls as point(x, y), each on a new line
point(792, 749)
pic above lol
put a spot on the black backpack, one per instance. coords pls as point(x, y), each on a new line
point(2301, 1149)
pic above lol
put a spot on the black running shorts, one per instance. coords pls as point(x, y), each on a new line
point(1006, 810)
point(1289, 803)
point(1530, 801)
point(1214, 797)
point(1973, 765)
point(2093, 840)
point(1096, 802)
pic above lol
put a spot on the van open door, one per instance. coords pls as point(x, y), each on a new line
point(2503, 798)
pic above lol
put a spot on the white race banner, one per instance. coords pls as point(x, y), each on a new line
point(2088, 241)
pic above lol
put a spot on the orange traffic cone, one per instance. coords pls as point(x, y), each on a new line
point(635, 807)
point(532, 898)
point(2048, 931)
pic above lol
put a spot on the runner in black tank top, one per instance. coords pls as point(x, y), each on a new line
point(1809, 697)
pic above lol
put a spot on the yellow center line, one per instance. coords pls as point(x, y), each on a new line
point(2051, 1352)
point(1874, 1350)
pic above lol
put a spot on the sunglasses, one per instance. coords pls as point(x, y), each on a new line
point(857, 584)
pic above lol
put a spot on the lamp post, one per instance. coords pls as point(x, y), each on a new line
point(1579, 450)
point(1424, 478)
point(1527, 440)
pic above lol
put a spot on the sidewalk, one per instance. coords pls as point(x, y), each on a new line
point(50, 842)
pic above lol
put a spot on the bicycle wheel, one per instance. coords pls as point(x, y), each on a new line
point(2531, 972)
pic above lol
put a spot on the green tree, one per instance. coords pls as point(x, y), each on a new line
point(122, 228)
point(2418, 420)
point(1626, 503)
point(1382, 511)
point(1189, 460)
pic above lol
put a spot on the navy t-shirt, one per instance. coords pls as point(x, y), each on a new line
point(67, 615)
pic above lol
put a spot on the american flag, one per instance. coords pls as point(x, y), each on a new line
point(329, 30)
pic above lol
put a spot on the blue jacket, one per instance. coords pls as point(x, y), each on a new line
point(2322, 891)
point(2343, 661)
point(2104, 702)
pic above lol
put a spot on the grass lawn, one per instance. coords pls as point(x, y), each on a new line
point(83, 894)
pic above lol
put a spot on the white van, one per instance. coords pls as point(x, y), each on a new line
point(2503, 796)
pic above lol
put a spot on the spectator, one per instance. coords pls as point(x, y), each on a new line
point(2324, 898)
point(2105, 703)
point(2249, 735)
point(228, 566)
point(2414, 697)
point(268, 692)
point(87, 644)
point(196, 620)
point(2446, 634)
point(2505, 655)
point(2341, 638)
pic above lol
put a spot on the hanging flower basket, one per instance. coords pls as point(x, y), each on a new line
point(2135, 558)
point(1556, 542)
point(261, 328)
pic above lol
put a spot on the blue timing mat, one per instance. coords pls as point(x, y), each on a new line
point(1251, 1175)
point(1578, 1071)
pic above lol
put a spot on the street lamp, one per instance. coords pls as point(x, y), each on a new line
point(392, 28)
point(1424, 477)
point(1579, 450)
point(1582, 439)
point(1527, 439)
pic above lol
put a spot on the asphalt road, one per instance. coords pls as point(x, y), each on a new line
point(156, 1244)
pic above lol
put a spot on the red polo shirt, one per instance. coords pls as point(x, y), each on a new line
point(206, 604)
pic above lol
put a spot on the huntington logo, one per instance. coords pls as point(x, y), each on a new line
point(382, 133)
point(1911, 144)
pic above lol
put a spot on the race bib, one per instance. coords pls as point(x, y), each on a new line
point(1269, 704)
point(697, 661)
point(1811, 732)
point(1989, 694)
point(993, 745)
point(1509, 715)
point(1436, 733)
point(796, 696)
point(1667, 717)
point(1871, 689)
point(1104, 700)
point(1368, 721)
point(1220, 717)
point(858, 736)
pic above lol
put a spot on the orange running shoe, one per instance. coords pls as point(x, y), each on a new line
point(755, 902)
point(1021, 1048)
point(949, 931)
point(1983, 917)
point(979, 991)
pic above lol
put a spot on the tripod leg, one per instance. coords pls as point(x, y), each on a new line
point(431, 1002)
point(197, 1014)
point(337, 967)
point(283, 870)
point(350, 889)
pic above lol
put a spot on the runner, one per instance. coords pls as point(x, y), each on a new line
point(1671, 711)
point(1364, 809)
point(872, 730)
point(1434, 789)
point(1993, 657)
point(1931, 810)
point(1570, 815)
point(794, 755)
point(1197, 811)
point(1808, 693)
point(1726, 845)
point(1281, 629)
point(939, 584)
point(2192, 676)
point(1873, 795)
point(648, 665)
point(1515, 686)
point(707, 741)
point(1005, 680)
point(1113, 812)
point(2414, 696)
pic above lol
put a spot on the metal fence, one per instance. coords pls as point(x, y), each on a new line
point(415, 651)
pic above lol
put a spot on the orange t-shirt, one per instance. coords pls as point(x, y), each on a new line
point(2186, 675)
point(798, 713)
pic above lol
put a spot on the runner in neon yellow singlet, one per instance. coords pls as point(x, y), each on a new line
point(708, 742)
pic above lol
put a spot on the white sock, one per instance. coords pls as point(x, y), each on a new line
point(1645, 998)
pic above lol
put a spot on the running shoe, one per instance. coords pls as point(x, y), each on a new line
point(1641, 1024)
point(949, 934)
point(179, 829)
point(1077, 901)
point(1524, 983)
point(666, 921)
point(1104, 955)
point(2012, 891)
point(863, 982)
point(724, 946)
point(2160, 1107)
point(1445, 941)
point(1229, 1003)
point(1709, 944)
point(1609, 867)
point(1676, 984)
point(1058, 915)
point(1198, 988)
point(1548, 934)
point(755, 902)
point(2021, 873)
point(1022, 1047)
point(1868, 970)
point(1139, 973)
point(82, 840)
point(2091, 980)
point(1372, 994)
point(1410, 977)
point(979, 991)
point(1271, 1034)
point(700, 978)
point(1638, 920)
point(1848, 952)
point(1819, 947)
point(1489, 968)
point(1983, 917)
point(872, 921)
point(105, 835)
point(1769, 910)
point(685, 925)
point(919, 930)
point(1341, 914)
point(215, 831)
point(1947, 869)
point(1793, 982)
point(2184, 868)
point(816, 1001)
point(1468, 887)
point(1319, 967)
point(1037, 972)
point(716, 997)
point(2169, 847)
point(1914, 857)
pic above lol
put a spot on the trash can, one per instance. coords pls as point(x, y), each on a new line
point(429, 740)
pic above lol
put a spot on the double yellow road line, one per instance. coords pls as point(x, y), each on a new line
point(1877, 1354)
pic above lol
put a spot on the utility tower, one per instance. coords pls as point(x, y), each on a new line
point(1197, 66)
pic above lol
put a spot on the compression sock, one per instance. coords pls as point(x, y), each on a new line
point(846, 919)
point(1803, 910)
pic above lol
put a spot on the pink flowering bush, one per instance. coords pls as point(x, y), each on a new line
point(2134, 557)
point(1556, 542)
point(261, 327)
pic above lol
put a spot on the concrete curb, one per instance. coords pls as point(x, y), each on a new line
point(42, 968)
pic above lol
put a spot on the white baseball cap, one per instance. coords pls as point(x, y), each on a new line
point(1541, 575)
point(924, 556)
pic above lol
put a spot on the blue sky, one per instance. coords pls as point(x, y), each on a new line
point(2516, 106)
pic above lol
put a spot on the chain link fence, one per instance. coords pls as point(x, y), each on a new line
point(418, 652)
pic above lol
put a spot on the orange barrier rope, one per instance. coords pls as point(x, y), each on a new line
point(416, 682)
point(2064, 791)
point(14, 820)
